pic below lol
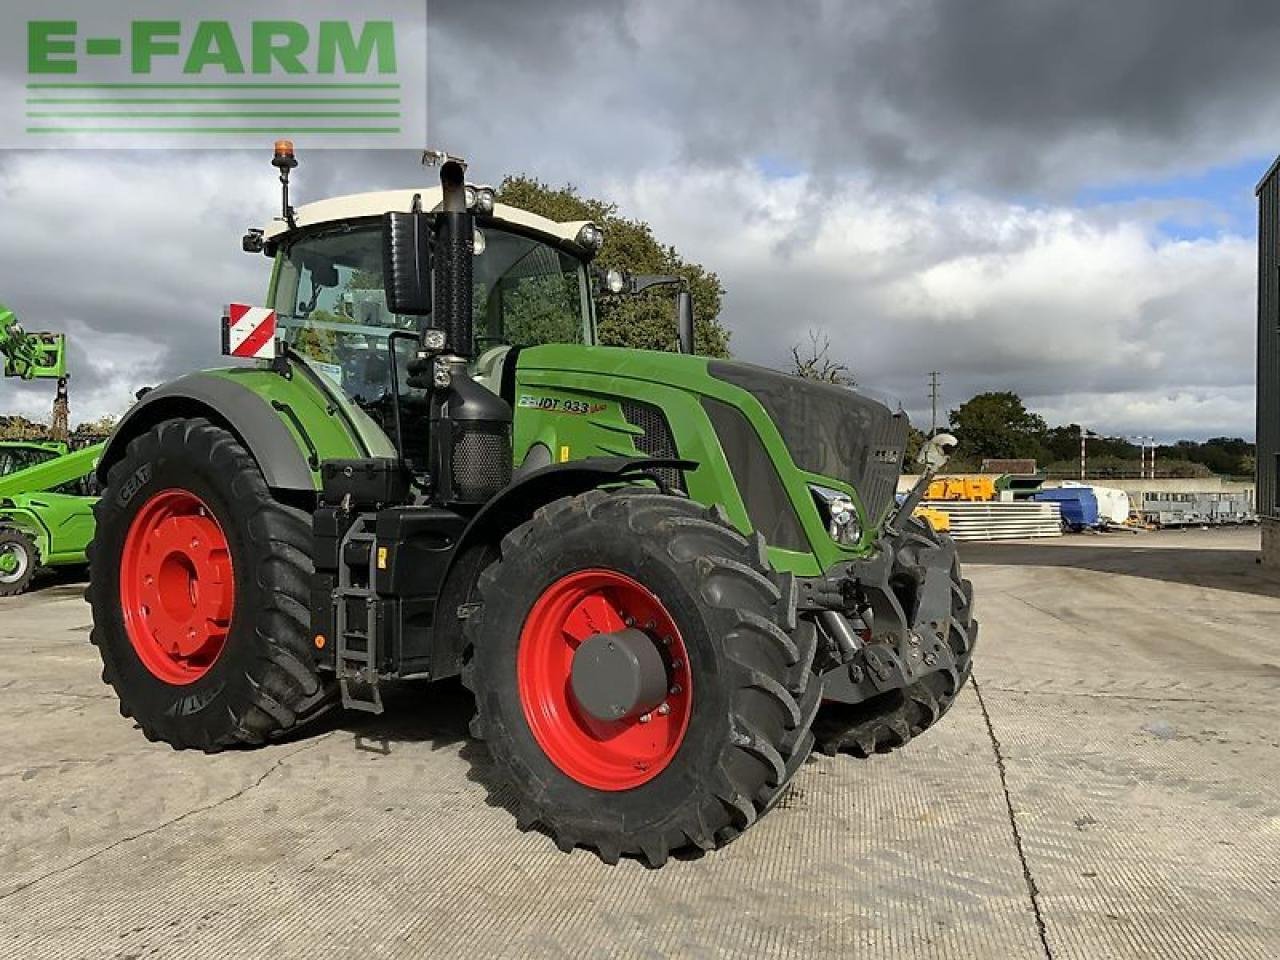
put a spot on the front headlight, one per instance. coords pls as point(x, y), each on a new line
point(839, 513)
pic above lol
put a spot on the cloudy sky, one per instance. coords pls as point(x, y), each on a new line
point(1054, 197)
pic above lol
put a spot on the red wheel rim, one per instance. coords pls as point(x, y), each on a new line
point(176, 586)
point(597, 753)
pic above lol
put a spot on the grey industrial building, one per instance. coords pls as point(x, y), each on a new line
point(1268, 434)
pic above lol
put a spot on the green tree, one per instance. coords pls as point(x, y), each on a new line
point(915, 440)
point(101, 427)
point(997, 425)
point(646, 321)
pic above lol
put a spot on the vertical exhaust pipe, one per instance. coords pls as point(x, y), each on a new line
point(455, 248)
point(470, 458)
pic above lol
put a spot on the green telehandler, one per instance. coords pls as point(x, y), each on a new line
point(46, 501)
point(663, 577)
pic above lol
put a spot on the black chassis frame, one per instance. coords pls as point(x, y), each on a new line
point(898, 604)
point(418, 562)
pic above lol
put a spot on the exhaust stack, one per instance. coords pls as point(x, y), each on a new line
point(470, 427)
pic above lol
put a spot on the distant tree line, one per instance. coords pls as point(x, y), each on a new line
point(17, 427)
point(998, 425)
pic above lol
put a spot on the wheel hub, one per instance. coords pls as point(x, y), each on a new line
point(617, 676)
point(13, 562)
point(604, 679)
point(176, 586)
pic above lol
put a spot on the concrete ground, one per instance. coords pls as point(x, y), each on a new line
point(1106, 788)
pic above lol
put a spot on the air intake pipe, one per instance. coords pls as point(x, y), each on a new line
point(470, 449)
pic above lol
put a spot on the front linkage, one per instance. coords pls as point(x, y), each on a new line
point(899, 629)
point(900, 634)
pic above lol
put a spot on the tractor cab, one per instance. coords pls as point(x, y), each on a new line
point(530, 286)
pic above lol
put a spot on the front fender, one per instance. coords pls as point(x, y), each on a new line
point(519, 499)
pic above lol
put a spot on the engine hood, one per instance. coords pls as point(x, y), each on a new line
point(829, 430)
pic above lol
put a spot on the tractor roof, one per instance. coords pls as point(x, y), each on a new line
point(358, 205)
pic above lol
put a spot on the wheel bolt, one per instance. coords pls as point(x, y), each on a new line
point(930, 659)
point(677, 664)
point(675, 688)
point(664, 709)
point(645, 718)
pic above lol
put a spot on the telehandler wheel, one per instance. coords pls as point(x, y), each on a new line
point(199, 583)
point(885, 723)
point(19, 560)
point(640, 678)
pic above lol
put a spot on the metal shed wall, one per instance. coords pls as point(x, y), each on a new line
point(1268, 424)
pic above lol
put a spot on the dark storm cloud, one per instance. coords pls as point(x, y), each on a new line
point(1010, 95)
point(892, 173)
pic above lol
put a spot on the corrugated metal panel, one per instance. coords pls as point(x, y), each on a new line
point(1268, 424)
point(1000, 519)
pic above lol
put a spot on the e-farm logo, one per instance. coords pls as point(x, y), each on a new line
point(229, 73)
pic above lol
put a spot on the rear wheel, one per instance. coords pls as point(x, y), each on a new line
point(640, 679)
point(887, 722)
point(19, 560)
point(199, 583)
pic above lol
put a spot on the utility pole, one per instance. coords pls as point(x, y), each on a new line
point(1143, 443)
point(1083, 434)
point(933, 399)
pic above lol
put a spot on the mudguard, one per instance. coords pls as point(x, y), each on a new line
point(529, 490)
point(288, 458)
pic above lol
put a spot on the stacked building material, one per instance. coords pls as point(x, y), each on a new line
point(1000, 520)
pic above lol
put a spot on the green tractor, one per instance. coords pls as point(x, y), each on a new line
point(663, 577)
point(46, 501)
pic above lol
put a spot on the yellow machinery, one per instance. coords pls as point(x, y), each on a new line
point(937, 519)
point(962, 488)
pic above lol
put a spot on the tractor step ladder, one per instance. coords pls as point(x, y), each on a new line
point(358, 647)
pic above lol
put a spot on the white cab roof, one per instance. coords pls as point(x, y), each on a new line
point(359, 205)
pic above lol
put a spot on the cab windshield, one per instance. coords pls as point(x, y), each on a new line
point(332, 306)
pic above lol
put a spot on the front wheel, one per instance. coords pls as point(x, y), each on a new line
point(19, 560)
point(199, 584)
point(640, 678)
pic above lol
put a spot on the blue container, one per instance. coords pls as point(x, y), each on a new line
point(1078, 504)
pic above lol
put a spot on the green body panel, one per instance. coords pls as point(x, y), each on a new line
point(52, 473)
point(319, 411)
point(60, 524)
point(567, 400)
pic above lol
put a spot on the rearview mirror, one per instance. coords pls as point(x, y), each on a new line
point(684, 320)
point(406, 263)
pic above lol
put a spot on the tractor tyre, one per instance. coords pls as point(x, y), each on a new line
point(199, 584)
point(19, 561)
point(732, 695)
point(890, 721)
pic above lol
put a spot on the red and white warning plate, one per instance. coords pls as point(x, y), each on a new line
point(249, 332)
